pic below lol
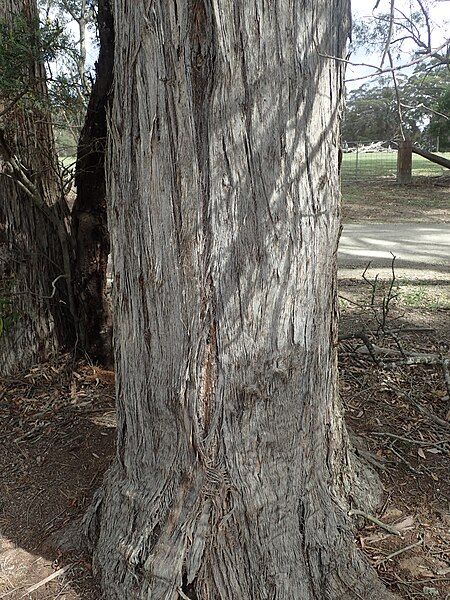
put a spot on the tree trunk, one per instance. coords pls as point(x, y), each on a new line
point(434, 158)
point(34, 314)
point(233, 475)
point(89, 218)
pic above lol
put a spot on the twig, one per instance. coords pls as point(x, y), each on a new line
point(429, 414)
point(404, 461)
point(51, 577)
point(405, 439)
point(398, 552)
point(433, 53)
point(361, 335)
point(372, 519)
point(389, 36)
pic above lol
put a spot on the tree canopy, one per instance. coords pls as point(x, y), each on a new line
point(372, 111)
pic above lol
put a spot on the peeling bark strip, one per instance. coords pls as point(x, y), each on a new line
point(233, 477)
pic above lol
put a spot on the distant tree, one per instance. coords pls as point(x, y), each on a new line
point(371, 114)
point(372, 110)
point(403, 38)
point(438, 129)
point(70, 72)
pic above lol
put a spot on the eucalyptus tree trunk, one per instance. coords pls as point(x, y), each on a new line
point(34, 304)
point(233, 475)
point(89, 218)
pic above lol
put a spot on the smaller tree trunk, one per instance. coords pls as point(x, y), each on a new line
point(89, 220)
point(404, 162)
point(35, 297)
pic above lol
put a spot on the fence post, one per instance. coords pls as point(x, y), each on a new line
point(404, 162)
point(357, 159)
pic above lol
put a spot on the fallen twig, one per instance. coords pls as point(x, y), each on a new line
point(404, 461)
point(51, 577)
point(398, 552)
point(372, 519)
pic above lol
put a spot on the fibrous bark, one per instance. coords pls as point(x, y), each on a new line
point(233, 476)
point(34, 304)
point(89, 218)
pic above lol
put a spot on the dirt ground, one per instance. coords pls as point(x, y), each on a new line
point(426, 200)
point(58, 439)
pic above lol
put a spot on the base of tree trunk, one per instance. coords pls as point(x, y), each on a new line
point(207, 546)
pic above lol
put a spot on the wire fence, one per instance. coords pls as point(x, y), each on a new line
point(369, 161)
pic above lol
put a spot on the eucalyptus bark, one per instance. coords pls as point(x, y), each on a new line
point(89, 218)
point(34, 304)
point(233, 475)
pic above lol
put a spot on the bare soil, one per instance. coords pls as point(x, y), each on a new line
point(426, 200)
point(408, 448)
point(58, 439)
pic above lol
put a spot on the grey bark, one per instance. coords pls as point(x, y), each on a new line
point(233, 475)
point(33, 273)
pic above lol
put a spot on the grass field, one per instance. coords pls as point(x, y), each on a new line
point(384, 165)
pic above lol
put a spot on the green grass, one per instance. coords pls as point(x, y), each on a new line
point(424, 296)
point(384, 165)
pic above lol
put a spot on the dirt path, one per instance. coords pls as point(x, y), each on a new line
point(422, 250)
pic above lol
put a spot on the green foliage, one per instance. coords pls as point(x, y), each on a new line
point(440, 125)
point(372, 112)
point(23, 44)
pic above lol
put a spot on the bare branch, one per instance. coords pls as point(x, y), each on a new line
point(389, 35)
point(399, 104)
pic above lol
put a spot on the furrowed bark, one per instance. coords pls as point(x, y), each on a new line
point(34, 275)
point(89, 218)
point(233, 475)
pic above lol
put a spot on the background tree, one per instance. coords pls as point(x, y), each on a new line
point(438, 129)
point(82, 232)
point(70, 72)
point(405, 40)
point(89, 218)
point(34, 288)
point(372, 110)
point(371, 113)
point(233, 475)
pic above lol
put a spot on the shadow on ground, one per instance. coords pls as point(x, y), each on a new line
point(57, 441)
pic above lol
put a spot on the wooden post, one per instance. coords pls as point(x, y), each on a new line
point(404, 162)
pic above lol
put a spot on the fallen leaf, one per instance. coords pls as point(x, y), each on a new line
point(407, 523)
point(421, 453)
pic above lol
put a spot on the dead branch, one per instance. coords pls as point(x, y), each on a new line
point(372, 519)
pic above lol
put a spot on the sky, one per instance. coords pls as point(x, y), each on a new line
point(440, 21)
point(440, 16)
